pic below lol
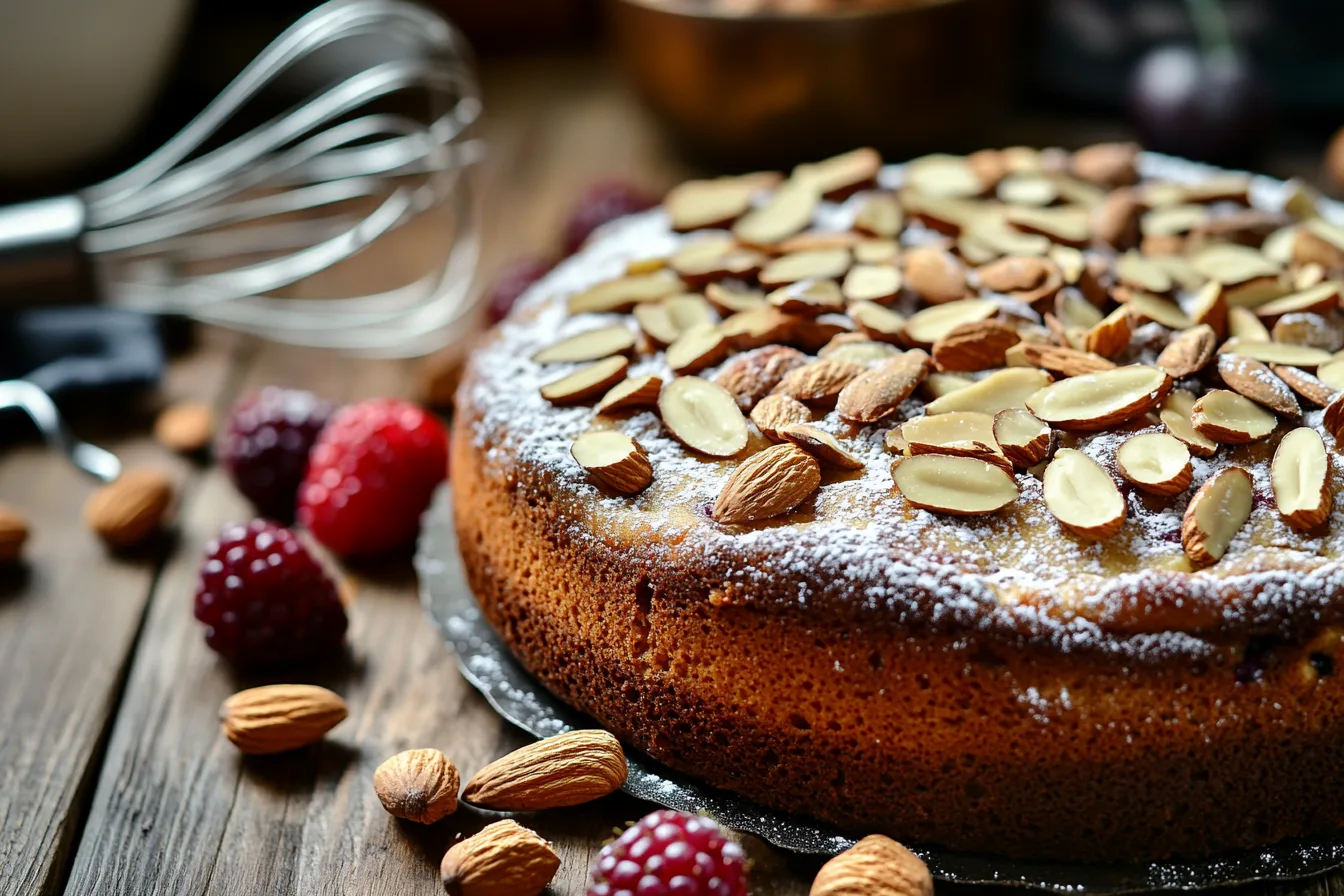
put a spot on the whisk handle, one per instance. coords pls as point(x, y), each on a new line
point(41, 259)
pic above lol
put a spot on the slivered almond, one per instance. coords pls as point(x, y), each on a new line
point(625, 293)
point(767, 484)
point(1075, 311)
point(590, 345)
point(871, 283)
point(1215, 514)
point(614, 459)
point(1111, 336)
point(586, 383)
point(1232, 264)
point(963, 433)
point(707, 260)
point(816, 264)
point(1189, 351)
point(1063, 362)
point(1099, 400)
point(1024, 438)
point(703, 416)
point(1002, 389)
point(1209, 306)
point(755, 327)
point(880, 215)
point(1332, 373)
point(1300, 474)
point(696, 349)
point(1305, 385)
point(809, 298)
point(959, 486)
point(876, 251)
point(860, 350)
point(1156, 463)
point(928, 325)
point(943, 175)
point(935, 275)
point(977, 345)
point(1258, 383)
point(840, 176)
point(632, 394)
point(878, 393)
point(1141, 272)
point(1145, 307)
point(696, 204)
point(664, 321)
point(936, 385)
point(1322, 298)
point(774, 412)
point(751, 376)
point(821, 445)
point(988, 236)
point(877, 322)
point(1278, 353)
point(1175, 416)
point(789, 210)
point(820, 382)
point(1231, 419)
point(1082, 496)
point(732, 297)
point(1070, 225)
point(1254, 293)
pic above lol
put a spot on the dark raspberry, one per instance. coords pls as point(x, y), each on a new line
point(265, 600)
point(266, 443)
point(669, 853)
point(511, 283)
point(604, 201)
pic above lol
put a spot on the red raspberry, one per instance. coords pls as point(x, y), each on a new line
point(604, 201)
point(265, 446)
point(669, 853)
point(265, 600)
point(511, 283)
point(371, 475)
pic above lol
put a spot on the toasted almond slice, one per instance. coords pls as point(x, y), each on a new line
point(1002, 389)
point(1320, 242)
point(1189, 351)
point(809, 298)
point(696, 349)
point(1310, 329)
point(991, 235)
point(590, 345)
point(878, 323)
point(861, 351)
point(644, 266)
point(812, 334)
point(1232, 264)
point(705, 267)
point(1231, 419)
point(703, 416)
point(936, 385)
point(1175, 416)
point(1244, 326)
point(614, 459)
point(935, 275)
point(1071, 262)
point(1027, 189)
point(751, 376)
point(1024, 438)
point(896, 443)
point(960, 486)
point(774, 412)
point(625, 293)
point(1300, 473)
point(586, 383)
point(788, 211)
point(815, 264)
point(1082, 496)
point(1258, 383)
point(817, 241)
point(821, 445)
point(839, 176)
point(730, 298)
point(1254, 293)
point(1115, 221)
point(1173, 220)
point(1156, 463)
point(760, 326)
point(1278, 246)
point(945, 214)
point(1209, 306)
point(1027, 279)
point(1278, 353)
point(1067, 224)
point(1332, 373)
point(1099, 400)
point(1145, 306)
point(978, 345)
point(1142, 273)
point(1074, 311)
point(699, 256)
point(962, 433)
point(943, 175)
point(928, 325)
point(715, 203)
point(1323, 298)
point(1108, 164)
point(872, 283)
point(1215, 514)
point(1063, 362)
point(1218, 188)
point(1307, 386)
point(664, 321)
point(632, 394)
point(1111, 336)
point(877, 251)
point(767, 484)
point(880, 215)
point(819, 384)
point(1307, 276)
point(878, 393)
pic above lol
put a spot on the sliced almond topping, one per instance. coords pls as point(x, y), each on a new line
point(767, 484)
point(1111, 336)
point(839, 176)
point(1162, 245)
point(1082, 496)
point(1307, 386)
point(632, 394)
point(591, 345)
point(1175, 416)
point(1181, 271)
point(872, 283)
point(1232, 264)
point(943, 175)
point(1307, 276)
point(928, 325)
point(1002, 389)
point(1027, 189)
point(1145, 307)
point(1278, 353)
point(668, 319)
point(1278, 246)
point(1319, 242)
point(714, 203)
point(1028, 280)
point(879, 251)
point(821, 445)
point(1070, 225)
point(960, 486)
point(1322, 299)
point(719, 258)
point(1300, 473)
point(978, 345)
point(1254, 293)
point(989, 235)
point(760, 326)
point(1215, 514)
point(614, 459)
point(896, 442)
point(1099, 400)
point(730, 298)
point(1218, 188)
point(626, 292)
point(962, 433)
point(1024, 438)
point(1189, 351)
point(935, 275)
point(1231, 419)
point(880, 215)
point(877, 322)
point(789, 210)
point(1333, 420)
point(945, 214)
point(820, 382)
point(1108, 164)
point(815, 264)
point(703, 416)
point(1258, 383)
point(812, 334)
point(586, 383)
point(1063, 362)
point(1156, 463)
point(1209, 306)
point(1074, 311)
point(1332, 373)
point(1142, 273)
point(1173, 220)
point(861, 350)
point(696, 349)
point(774, 412)
point(752, 375)
point(809, 298)
point(644, 266)
point(878, 393)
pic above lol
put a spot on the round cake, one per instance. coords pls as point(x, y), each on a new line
point(986, 502)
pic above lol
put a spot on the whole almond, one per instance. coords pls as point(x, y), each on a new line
point(565, 770)
point(503, 859)
point(1107, 164)
point(1064, 362)
point(418, 785)
point(1305, 385)
point(768, 484)
point(878, 393)
point(1258, 383)
point(13, 534)
point(978, 345)
point(875, 866)
point(277, 718)
point(819, 383)
point(128, 510)
point(935, 275)
point(774, 412)
point(186, 427)
point(750, 376)
point(1189, 351)
point(1115, 222)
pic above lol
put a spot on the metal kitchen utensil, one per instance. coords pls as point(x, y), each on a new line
point(35, 402)
point(222, 228)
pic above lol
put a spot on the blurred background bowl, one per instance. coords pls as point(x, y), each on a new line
point(767, 87)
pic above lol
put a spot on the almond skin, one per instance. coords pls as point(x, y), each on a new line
point(13, 534)
point(875, 866)
point(418, 785)
point(278, 718)
point(186, 427)
point(125, 512)
point(979, 345)
point(878, 393)
point(565, 770)
point(750, 376)
point(503, 859)
point(768, 484)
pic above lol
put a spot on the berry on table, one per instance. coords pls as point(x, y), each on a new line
point(371, 475)
point(605, 200)
point(266, 601)
point(669, 853)
point(266, 444)
point(510, 284)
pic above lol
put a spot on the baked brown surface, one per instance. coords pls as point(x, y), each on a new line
point(991, 684)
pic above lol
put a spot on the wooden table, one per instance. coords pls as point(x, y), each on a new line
point(114, 778)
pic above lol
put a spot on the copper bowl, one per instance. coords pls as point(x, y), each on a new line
point(771, 87)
